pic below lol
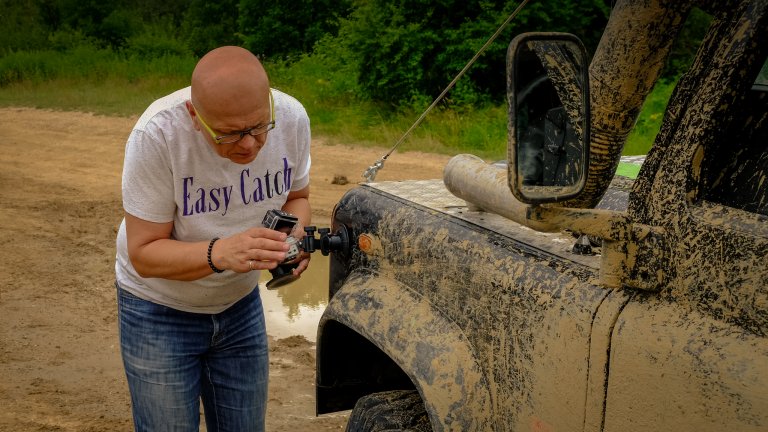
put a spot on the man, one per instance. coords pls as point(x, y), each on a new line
point(202, 167)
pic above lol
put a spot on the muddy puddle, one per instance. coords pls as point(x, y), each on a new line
point(295, 309)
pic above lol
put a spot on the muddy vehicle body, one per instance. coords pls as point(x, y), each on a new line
point(461, 304)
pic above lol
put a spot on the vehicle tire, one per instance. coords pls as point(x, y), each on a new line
point(397, 410)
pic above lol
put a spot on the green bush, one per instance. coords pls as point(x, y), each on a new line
point(409, 51)
point(66, 39)
point(649, 121)
point(27, 65)
point(23, 27)
point(88, 63)
point(207, 25)
point(286, 30)
point(155, 42)
point(117, 27)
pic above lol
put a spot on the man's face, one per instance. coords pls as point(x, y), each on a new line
point(237, 137)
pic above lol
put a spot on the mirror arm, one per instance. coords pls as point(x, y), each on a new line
point(605, 224)
point(626, 245)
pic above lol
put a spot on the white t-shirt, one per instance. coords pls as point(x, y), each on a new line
point(171, 174)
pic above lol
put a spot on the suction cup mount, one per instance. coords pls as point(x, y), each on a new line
point(282, 275)
point(327, 242)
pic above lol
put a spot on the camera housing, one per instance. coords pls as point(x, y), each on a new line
point(279, 220)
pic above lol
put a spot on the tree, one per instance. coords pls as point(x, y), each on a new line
point(207, 25)
point(23, 25)
point(288, 29)
point(409, 50)
point(687, 43)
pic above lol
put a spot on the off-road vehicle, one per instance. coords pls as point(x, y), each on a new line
point(546, 294)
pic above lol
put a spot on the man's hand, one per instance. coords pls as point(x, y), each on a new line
point(254, 249)
point(304, 257)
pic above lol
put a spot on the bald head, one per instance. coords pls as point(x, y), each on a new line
point(229, 82)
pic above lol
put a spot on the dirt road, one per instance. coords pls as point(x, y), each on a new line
point(60, 208)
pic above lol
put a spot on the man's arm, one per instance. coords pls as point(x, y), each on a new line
point(297, 204)
point(154, 254)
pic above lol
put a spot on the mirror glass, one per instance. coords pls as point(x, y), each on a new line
point(548, 93)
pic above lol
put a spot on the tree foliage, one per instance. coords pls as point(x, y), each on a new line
point(207, 25)
point(687, 43)
point(398, 52)
point(17, 17)
point(411, 49)
point(288, 29)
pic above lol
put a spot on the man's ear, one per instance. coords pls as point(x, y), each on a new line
point(192, 114)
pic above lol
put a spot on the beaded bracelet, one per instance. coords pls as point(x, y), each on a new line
point(210, 263)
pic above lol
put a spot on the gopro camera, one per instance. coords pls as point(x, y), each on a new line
point(279, 220)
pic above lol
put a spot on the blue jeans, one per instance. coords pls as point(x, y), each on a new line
point(173, 359)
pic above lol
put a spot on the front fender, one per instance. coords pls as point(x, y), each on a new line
point(441, 364)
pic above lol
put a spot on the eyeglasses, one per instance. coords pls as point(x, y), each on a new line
point(237, 136)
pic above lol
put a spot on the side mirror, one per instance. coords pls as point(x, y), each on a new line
point(548, 121)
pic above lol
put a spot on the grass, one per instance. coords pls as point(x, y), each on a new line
point(649, 121)
point(628, 170)
point(89, 79)
point(114, 97)
point(92, 80)
point(328, 91)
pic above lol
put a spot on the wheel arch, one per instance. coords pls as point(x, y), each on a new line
point(366, 332)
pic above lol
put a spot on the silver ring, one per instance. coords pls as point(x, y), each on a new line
point(250, 264)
